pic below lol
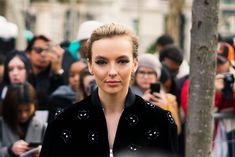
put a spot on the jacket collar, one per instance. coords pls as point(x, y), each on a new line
point(130, 99)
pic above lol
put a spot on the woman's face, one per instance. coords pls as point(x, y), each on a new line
point(112, 63)
point(17, 71)
point(25, 112)
point(144, 77)
point(74, 77)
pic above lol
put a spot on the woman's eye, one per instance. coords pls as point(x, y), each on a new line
point(100, 62)
point(123, 61)
point(10, 69)
point(21, 68)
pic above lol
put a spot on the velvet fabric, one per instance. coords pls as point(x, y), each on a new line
point(81, 130)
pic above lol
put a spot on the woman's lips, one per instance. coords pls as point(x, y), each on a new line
point(112, 83)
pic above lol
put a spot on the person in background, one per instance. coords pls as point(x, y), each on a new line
point(161, 43)
point(224, 93)
point(112, 119)
point(77, 49)
point(84, 33)
point(2, 58)
point(46, 75)
point(148, 72)
point(18, 125)
point(17, 70)
point(65, 95)
point(171, 58)
point(87, 84)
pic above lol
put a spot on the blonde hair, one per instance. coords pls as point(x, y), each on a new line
point(112, 30)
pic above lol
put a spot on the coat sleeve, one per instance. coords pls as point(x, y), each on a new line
point(172, 132)
point(48, 142)
point(3, 149)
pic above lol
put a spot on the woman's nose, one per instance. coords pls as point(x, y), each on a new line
point(112, 71)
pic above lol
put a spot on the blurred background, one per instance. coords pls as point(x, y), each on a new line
point(60, 19)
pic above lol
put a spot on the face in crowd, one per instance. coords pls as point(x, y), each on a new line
point(17, 71)
point(74, 74)
point(38, 51)
point(17, 68)
point(145, 76)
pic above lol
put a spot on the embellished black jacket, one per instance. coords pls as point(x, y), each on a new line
point(81, 130)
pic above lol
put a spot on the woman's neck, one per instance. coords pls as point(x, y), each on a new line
point(113, 103)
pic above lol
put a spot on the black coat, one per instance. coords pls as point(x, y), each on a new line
point(81, 130)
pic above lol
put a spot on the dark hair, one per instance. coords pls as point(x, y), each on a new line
point(17, 94)
point(164, 40)
point(2, 59)
point(35, 38)
point(82, 91)
point(172, 52)
point(22, 56)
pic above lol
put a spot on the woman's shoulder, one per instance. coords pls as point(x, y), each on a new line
point(151, 111)
point(71, 111)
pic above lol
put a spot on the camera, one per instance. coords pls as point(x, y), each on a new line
point(92, 86)
point(227, 91)
point(228, 78)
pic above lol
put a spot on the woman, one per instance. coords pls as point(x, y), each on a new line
point(112, 120)
point(87, 84)
point(149, 72)
point(65, 95)
point(17, 69)
point(18, 125)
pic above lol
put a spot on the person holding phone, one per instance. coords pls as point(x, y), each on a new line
point(112, 120)
point(146, 84)
point(18, 125)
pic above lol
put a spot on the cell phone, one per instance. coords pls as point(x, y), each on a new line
point(34, 144)
point(155, 87)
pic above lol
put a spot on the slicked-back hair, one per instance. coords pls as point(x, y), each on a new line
point(113, 30)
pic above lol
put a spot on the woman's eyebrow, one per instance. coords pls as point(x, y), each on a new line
point(100, 57)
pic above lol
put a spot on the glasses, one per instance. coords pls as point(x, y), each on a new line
point(39, 50)
point(146, 73)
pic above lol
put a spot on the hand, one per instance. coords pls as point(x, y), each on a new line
point(37, 153)
point(56, 57)
point(158, 99)
point(19, 147)
point(219, 82)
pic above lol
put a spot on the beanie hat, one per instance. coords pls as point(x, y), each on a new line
point(86, 29)
point(150, 61)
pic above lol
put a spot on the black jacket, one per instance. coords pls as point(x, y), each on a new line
point(45, 83)
point(81, 130)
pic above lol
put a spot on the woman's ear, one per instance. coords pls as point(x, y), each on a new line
point(89, 66)
point(136, 63)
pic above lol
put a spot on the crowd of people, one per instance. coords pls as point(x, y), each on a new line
point(100, 93)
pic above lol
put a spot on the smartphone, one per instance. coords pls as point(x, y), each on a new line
point(155, 87)
point(34, 144)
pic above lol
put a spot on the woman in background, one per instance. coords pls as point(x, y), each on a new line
point(86, 84)
point(16, 70)
point(18, 125)
point(148, 72)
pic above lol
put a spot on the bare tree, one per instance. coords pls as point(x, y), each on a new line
point(173, 18)
point(2, 7)
point(202, 73)
point(13, 6)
